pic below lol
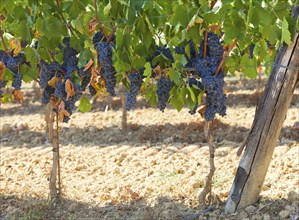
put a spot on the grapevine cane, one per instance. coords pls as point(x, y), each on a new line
point(55, 190)
point(225, 55)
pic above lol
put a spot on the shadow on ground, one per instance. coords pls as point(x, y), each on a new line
point(13, 207)
point(139, 135)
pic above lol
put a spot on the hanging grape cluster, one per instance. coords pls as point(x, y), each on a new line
point(134, 87)
point(13, 63)
point(164, 87)
point(104, 50)
point(206, 67)
point(57, 82)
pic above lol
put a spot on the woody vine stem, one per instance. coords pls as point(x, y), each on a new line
point(55, 181)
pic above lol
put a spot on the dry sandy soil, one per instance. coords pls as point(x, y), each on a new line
point(153, 170)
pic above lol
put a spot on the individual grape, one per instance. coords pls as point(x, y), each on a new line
point(17, 81)
point(164, 87)
point(135, 84)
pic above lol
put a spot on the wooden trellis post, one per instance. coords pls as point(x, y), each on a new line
point(267, 124)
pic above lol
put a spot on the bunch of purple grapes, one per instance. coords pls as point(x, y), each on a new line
point(47, 72)
point(70, 60)
point(13, 63)
point(206, 69)
point(104, 50)
point(163, 92)
point(135, 84)
point(62, 73)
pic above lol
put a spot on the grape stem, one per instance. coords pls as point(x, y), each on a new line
point(111, 35)
point(225, 55)
point(97, 18)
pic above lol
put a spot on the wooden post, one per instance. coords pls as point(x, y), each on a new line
point(267, 124)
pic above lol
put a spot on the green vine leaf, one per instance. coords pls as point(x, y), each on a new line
point(285, 33)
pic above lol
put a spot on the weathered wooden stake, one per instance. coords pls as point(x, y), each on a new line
point(267, 124)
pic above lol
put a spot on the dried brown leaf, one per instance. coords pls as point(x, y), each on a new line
point(69, 88)
point(88, 65)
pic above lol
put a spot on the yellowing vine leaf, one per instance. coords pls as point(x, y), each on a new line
point(15, 46)
point(195, 20)
point(95, 86)
point(69, 88)
point(52, 82)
